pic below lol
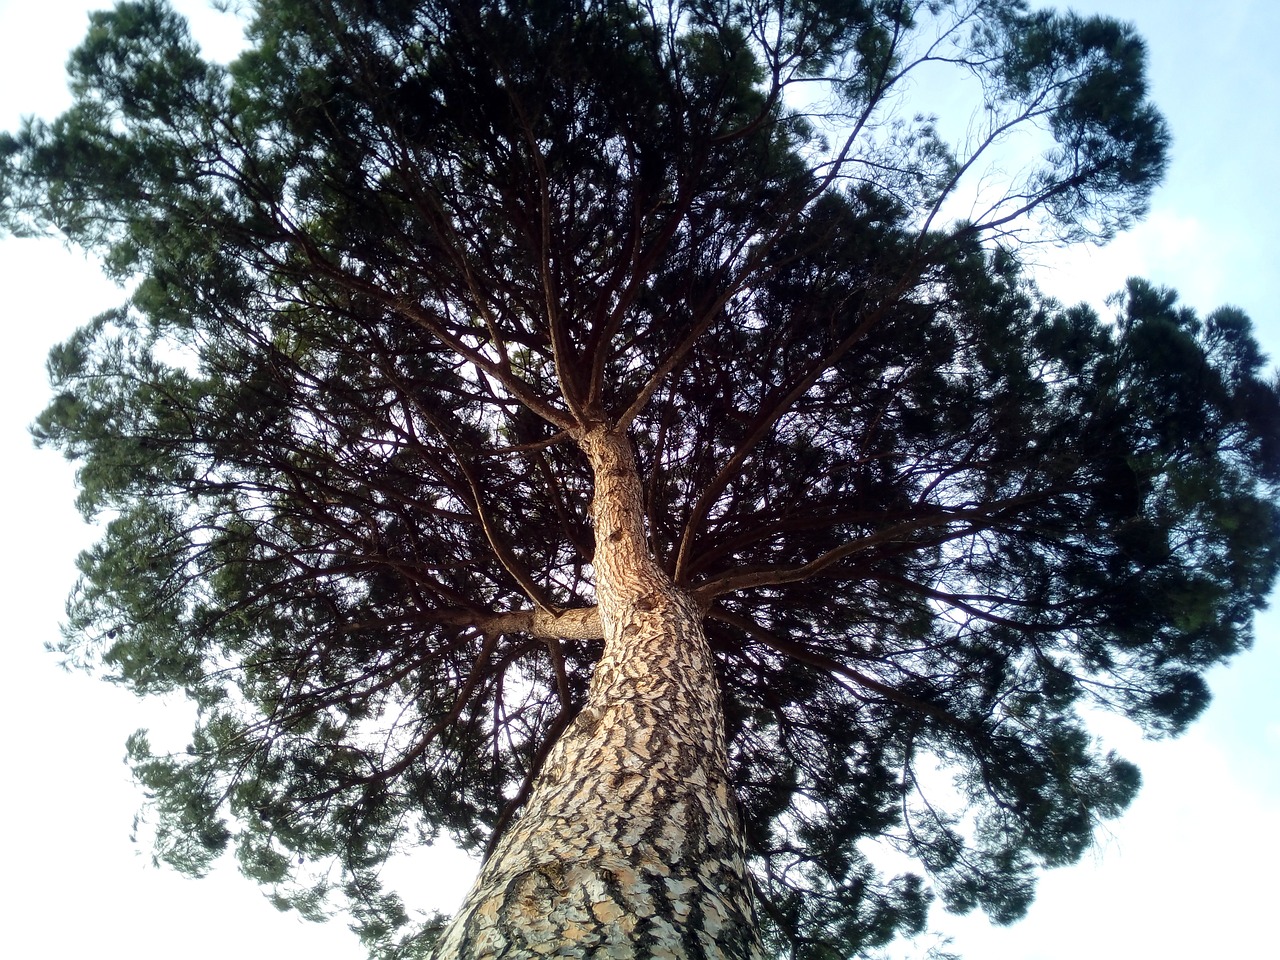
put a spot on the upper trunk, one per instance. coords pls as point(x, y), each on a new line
point(630, 844)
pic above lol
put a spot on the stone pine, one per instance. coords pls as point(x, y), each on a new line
point(622, 438)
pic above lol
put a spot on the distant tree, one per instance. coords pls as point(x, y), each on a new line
point(464, 336)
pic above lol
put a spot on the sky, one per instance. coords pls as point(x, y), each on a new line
point(1186, 873)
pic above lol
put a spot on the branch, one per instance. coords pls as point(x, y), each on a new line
point(960, 603)
point(768, 417)
point(799, 651)
point(578, 623)
point(971, 520)
point(414, 313)
point(748, 578)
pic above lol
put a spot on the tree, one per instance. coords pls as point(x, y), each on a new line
point(587, 430)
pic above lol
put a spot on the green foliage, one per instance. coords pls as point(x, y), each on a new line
point(387, 258)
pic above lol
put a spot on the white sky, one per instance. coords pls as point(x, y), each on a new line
point(1186, 874)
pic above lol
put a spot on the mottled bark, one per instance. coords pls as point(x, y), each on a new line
point(580, 623)
point(629, 845)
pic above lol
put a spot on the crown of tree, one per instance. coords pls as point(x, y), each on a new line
point(397, 268)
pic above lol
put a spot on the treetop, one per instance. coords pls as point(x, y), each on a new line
point(390, 266)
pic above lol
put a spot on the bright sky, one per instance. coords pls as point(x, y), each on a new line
point(1186, 874)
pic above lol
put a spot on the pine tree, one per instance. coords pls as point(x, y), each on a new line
point(585, 429)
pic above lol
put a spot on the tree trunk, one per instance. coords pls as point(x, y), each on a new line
point(630, 844)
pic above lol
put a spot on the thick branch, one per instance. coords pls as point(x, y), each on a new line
point(579, 623)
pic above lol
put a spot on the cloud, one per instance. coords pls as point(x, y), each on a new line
point(1168, 249)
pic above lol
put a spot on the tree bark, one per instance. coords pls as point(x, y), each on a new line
point(630, 844)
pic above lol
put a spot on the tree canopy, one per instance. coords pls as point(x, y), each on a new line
point(387, 264)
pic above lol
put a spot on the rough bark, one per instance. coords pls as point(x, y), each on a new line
point(579, 623)
point(630, 844)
